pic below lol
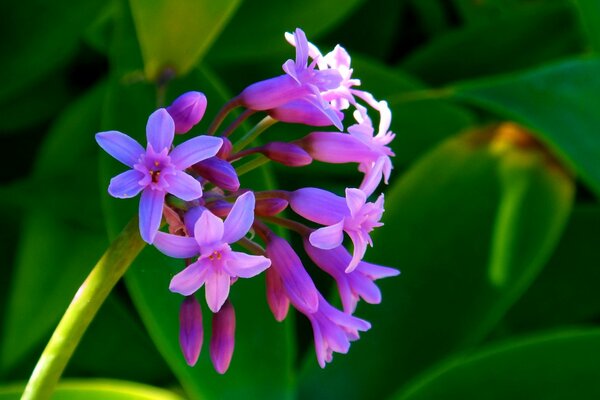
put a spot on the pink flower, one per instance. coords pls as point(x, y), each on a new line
point(217, 264)
point(352, 215)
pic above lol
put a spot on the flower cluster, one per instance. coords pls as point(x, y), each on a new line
point(195, 187)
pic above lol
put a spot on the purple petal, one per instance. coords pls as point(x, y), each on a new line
point(195, 150)
point(208, 229)
point(328, 237)
point(355, 199)
point(217, 288)
point(320, 104)
point(187, 110)
point(336, 148)
point(151, 207)
point(183, 186)
point(272, 93)
point(301, 48)
point(319, 205)
point(120, 146)
point(126, 185)
point(373, 176)
point(240, 218)
point(190, 279)
point(176, 246)
point(218, 172)
point(191, 334)
point(245, 265)
point(360, 248)
point(160, 130)
point(222, 341)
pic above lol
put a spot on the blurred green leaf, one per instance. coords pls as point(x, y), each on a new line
point(257, 28)
point(482, 12)
point(516, 40)
point(589, 14)
point(438, 231)
point(559, 102)
point(175, 34)
point(559, 365)
point(42, 36)
point(97, 389)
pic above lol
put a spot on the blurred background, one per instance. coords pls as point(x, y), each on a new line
point(492, 214)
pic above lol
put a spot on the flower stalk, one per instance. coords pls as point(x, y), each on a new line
point(87, 301)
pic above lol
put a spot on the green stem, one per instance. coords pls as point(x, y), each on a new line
point(252, 164)
point(253, 133)
point(87, 301)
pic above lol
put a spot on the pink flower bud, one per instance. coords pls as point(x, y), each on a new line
point(187, 110)
point(287, 154)
point(279, 303)
point(222, 340)
point(269, 207)
point(191, 333)
point(219, 172)
point(225, 149)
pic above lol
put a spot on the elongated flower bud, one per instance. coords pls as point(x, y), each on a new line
point(287, 154)
point(269, 207)
point(278, 301)
point(219, 172)
point(191, 333)
point(187, 110)
point(225, 149)
point(222, 341)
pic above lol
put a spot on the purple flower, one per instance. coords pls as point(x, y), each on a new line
point(187, 110)
point(222, 340)
point(333, 330)
point(352, 215)
point(156, 171)
point(191, 333)
point(302, 111)
point(351, 285)
point(217, 264)
point(301, 81)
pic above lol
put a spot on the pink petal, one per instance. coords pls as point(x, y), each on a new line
point(120, 146)
point(240, 218)
point(151, 207)
point(319, 205)
point(360, 248)
point(195, 150)
point(176, 246)
point(328, 237)
point(190, 279)
point(183, 186)
point(126, 185)
point(373, 176)
point(279, 303)
point(245, 265)
point(222, 341)
point(217, 288)
point(337, 148)
point(355, 199)
point(208, 229)
point(191, 333)
point(160, 130)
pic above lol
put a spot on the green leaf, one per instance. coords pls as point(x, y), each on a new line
point(97, 389)
point(176, 34)
point(559, 103)
point(257, 28)
point(516, 40)
point(589, 14)
point(549, 366)
point(439, 226)
point(39, 30)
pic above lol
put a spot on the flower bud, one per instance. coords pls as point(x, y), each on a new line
point(219, 172)
point(222, 341)
point(225, 149)
point(191, 333)
point(269, 207)
point(278, 302)
point(301, 111)
point(287, 154)
point(187, 110)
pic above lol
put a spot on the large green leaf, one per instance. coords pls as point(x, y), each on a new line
point(175, 34)
point(516, 40)
point(258, 26)
point(439, 228)
point(559, 365)
point(559, 102)
point(97, 389)
point(40, 36)
point(589, 14)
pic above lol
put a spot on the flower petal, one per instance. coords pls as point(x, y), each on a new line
point(183, 186)
point(120, 146)
point(240, 218)
point(244, 265)
point(360, 248)
point(208, 229)
point(328, 237)
point(217, 289)
point(151, 207)
point(176, 246)
point(190, 279)
point(318, 205)
point(160, 130)
point(126, 185)
point(355, 199)
point(194, 150)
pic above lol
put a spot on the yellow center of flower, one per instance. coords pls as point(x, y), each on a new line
point(216, 255)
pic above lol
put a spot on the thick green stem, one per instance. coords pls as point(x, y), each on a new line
point(87, 301)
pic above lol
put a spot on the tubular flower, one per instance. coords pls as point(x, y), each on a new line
point(224, 229)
